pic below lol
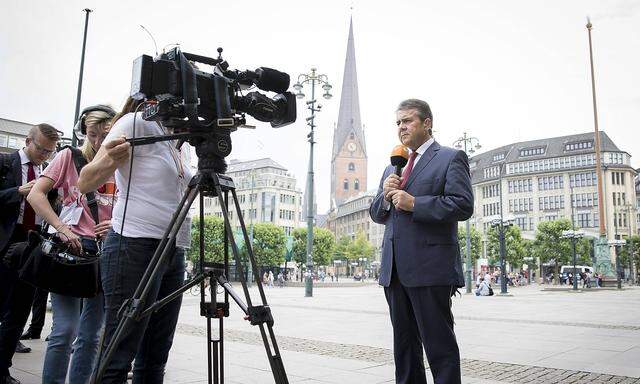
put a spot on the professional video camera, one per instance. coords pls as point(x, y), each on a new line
point(206, 107)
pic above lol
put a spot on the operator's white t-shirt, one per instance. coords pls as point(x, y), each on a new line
point(160, 176)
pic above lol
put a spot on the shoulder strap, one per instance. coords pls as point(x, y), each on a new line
point(80, 162)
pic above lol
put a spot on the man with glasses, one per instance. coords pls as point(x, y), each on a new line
point(18, 173)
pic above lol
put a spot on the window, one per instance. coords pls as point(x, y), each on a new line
point(356, 185)
point(532, 151)
point(13, 143)
point(578, 145)
point(521, 205)
point(491, 172)
point(490, 191)
point(585, 179)
point(551, 202)
point(546, 183)
point(522, 185)
point(499, 156)
point(352, 167)
point(3, 140)
point(345, 184)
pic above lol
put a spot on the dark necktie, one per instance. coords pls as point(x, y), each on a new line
point(29, 216)
point(408, 169)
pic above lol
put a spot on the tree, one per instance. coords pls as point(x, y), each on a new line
point(269, 244)
point(213, 239)
point(361, 247)
point(323, 246)
point(514, 246)
point(549, 245)
point(633, 242)
point(476, 243)
point(349, 249)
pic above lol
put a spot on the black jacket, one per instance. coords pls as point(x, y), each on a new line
point(10, 198)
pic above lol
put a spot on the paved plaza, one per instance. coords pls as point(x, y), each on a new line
point(343, 335)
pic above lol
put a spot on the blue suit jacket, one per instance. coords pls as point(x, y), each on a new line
point(425, 241)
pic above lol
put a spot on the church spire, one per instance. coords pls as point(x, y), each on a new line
point(349, 115)
point(349, 157)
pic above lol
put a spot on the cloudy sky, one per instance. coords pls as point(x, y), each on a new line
point(501, 70)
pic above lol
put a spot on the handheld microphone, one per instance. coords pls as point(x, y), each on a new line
point(399, 158)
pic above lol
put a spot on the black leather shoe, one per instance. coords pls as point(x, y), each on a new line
point(8, 380)
point(30, 335)
point(21, 348)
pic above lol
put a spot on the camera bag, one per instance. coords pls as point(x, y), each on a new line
point(61, 272)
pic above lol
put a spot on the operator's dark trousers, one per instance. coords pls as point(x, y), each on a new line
point(15, 303)
point(149, 339)
point(421, 316)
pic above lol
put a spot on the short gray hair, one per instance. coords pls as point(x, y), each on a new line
point(421, 107)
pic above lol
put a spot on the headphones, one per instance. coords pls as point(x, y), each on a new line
point(80, 129)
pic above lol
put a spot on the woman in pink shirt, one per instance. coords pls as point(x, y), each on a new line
point(75, 317)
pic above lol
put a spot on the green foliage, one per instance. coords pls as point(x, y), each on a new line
point(323, 246)
point(343, 249)
point(361, 247)
point(633, 242)
point(353, 249)
point(549, 245)
point(514, 246)
point(269, 244)
point(583, 252)
point(213, 239)
point(529, 254)
point(476, 243)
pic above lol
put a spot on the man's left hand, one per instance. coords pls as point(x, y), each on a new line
point(402, 200)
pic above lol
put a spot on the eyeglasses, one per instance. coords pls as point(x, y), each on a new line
point(42, 149)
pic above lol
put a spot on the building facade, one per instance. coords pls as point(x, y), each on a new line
point(12, 135)
point(349, 156)
point(266, 192)
point(352, 217)
point(555, 178)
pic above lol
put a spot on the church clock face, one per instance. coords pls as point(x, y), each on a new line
point(351, 147)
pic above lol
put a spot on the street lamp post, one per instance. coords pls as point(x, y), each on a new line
point(312, 78)
point(249, 271)
point(336, 264)
point(629, 208)
point(87, 11)
point(460, 143)
point(501, 224)
point(574, 236)
point(617, 244)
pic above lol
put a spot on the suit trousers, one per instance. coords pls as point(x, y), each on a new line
point(38, 311)
point(422, 317)
point(15, 303)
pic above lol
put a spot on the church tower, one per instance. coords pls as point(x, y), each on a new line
point(349, 157)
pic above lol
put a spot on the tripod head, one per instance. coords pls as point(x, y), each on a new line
point(211, 147)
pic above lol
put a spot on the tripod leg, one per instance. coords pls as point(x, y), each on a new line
point(270, 344)
point(133, 307)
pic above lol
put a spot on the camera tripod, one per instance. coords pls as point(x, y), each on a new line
point(207, 182)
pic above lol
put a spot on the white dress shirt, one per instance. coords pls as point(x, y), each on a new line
point(24, 160)
point(420, 151)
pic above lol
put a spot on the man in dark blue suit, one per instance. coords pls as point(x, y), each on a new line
point(18, 172)
point(421, 266)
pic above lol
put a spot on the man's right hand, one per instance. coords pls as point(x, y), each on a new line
point(391, 183)
point(117, 150)
point(24, 189)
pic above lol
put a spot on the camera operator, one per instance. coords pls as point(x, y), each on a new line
point(158, 179)
point(75, 317)
point(18, 173)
